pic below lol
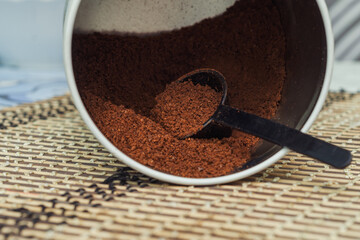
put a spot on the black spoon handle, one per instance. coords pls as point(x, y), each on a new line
point(283, 136)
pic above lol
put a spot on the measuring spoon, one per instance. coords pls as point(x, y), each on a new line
point(226, 117)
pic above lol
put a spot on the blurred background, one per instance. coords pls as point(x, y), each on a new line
point(31, 65)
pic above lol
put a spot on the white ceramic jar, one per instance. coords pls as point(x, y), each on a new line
point(309, 58)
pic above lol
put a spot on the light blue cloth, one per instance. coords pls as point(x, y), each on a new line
point(19, 86)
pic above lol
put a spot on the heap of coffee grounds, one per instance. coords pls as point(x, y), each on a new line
point(120, 75)
point(183, 107)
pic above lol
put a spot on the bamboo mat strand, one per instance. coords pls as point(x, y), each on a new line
point(58, 182)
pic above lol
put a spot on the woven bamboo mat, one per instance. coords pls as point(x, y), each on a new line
point(58, 182)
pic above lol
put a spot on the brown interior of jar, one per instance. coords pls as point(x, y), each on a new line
point(306, 59)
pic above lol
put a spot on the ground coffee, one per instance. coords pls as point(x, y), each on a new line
point(183, 107)
point(120, 75)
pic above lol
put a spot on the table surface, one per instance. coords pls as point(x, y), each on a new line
point(58, 181)
point(18, 86)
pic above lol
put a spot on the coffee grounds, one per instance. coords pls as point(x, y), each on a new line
point(183, 107)
point(120, 75)
point(149, 143)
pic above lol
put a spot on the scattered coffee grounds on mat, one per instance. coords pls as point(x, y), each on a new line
point(183, 107)
point(120, 75)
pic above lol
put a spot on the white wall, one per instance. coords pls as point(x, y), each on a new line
point(31, 33)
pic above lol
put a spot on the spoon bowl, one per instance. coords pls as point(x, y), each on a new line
point(215, 80)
